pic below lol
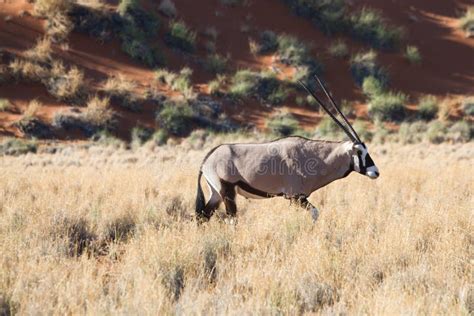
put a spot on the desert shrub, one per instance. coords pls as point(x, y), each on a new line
point(372, 86)
point(267, 43)
point(461, 131)
point(25, 70)
point(263, 86)
point(41, 52)
point(467, 22)
point(412, 54)
point(388, 106)
point(292, 51)
point(65, 84)
point(138, 26)
point(95, 21)
point(180, 36)
point(159, 137)
point(410, 133)
point(428, 108)
point(141, 135)
point(282, 124)
point(121, 90)
point(98, 115)
point(5, 105)
point(119, 229)
point(369, 26)
point(216, 86)
point(51, 7)
point(468, 106)
point(339, 49)
point(16, 147)
point(175, 118)
point(75, 231)
point(436, 132)
point(365, 65)
point(176, 81)
point(168, 8)
point(328, 15)
point(216, 63)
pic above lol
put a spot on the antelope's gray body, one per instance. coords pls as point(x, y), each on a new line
point(292, 167)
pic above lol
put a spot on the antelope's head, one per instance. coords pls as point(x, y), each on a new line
point(362, 162)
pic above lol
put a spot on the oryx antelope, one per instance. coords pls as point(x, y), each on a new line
point(292, 167)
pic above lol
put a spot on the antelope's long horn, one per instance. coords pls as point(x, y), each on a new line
point(334, 118)
point(354, 133)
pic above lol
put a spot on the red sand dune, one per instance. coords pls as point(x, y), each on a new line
point(447, 70)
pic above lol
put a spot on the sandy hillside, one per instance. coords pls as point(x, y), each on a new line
point(446, 70)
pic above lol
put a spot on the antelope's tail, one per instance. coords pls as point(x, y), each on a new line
point(200, 202)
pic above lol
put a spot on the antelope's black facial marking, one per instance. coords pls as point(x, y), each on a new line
point(363, 163)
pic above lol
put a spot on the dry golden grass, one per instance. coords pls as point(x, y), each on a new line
point(95, 230)
point(41, 52)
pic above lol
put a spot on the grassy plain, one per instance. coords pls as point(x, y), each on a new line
point(98, 230)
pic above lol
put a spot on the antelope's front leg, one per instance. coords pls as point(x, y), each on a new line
point(304, 203)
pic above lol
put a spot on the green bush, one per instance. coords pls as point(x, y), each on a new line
point(388, 106)
point(410, 133)
point(216, 86)
point(137, 27)
point(175, 118)
point(365, 65)
point(436, 132)
point(461, 131)
point(412, 54)
point(267, 43)
point(181, 37)
point(160, 137)
point(16, 147)
point(369, 26)
point(283, 124)
point(339, 49)
point(372, 86)
point(141, 135)
point(216, 63)
point(467, 22)
point(428, 108)
point(292, 51)
point(468, 106)
point(5, 105)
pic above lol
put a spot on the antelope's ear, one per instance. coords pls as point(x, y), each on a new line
point(359, 147)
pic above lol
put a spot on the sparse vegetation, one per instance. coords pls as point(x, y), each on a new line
point(65, 84)
point(216, 63)
point(372, 86)
point(175, 118)
point(122, 240)
point(327, 128)
point(413, 55)
point(468, 106)
point(370, 26)
point(121, 90)
point(266, 44)
point(364, 64)
point(216, 86)
point(181, 37)
point(388, 106)
point(282, 124)
point(428, 107)
point(16, 147)
point(41, 52)
point(177, 81)
point(5, 105)
point(339, 49)
point(263, 86)
point(467, 22)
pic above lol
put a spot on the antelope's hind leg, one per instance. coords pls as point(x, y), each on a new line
point(228, 195)
point(211, 205)
point(303, 202)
